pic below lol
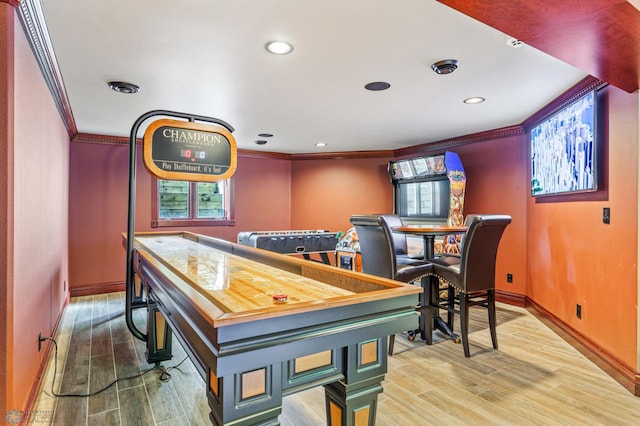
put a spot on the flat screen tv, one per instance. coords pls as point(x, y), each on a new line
point(564, 152)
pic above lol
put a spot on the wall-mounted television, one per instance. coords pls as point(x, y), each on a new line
point(564, 150)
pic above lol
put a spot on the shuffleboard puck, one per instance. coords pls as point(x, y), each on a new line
point(280, 297)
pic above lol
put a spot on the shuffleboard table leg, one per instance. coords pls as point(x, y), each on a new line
point(159, 335)
point(250, 398)
point(353, 401)
point(354, 404)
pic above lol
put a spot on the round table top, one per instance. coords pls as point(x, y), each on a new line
point(429, 229)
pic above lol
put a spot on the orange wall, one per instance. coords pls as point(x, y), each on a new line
point(39, 228)
point(573, 258)
point(496, 184)
point(99, 197)
point(325, 193)
point(98, 188)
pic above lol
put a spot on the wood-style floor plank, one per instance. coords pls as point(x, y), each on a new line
point(534, 378)
point(134, 407)
point(163, 397)
point(126, 365)
point(106, 418)
point(75, 369)
point(101, 375)
point(101, 328)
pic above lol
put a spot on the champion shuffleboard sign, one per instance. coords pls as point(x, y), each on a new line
point(182, 150)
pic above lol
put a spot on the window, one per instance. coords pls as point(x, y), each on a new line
point(427, 199)
point(181, 203)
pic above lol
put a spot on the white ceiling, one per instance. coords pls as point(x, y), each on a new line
point(207, 57)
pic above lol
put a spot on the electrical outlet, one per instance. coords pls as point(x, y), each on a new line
point(509, 278)
point(40, 340)
point(606, 215)
point(579, 311)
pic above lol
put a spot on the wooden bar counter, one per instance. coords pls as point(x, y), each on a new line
point(259, 325)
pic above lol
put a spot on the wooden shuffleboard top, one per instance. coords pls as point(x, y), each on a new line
point(234, 284)
point(228, 283)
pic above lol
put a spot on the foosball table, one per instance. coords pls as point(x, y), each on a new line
point(303, 242)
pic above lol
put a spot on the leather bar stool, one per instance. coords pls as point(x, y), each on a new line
point(472, 281)
point(403, 257)
point(379, 257)
point(449, 259)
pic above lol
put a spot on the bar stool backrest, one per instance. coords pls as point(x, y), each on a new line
point(478, 258)
point(399, 240)
point(378, 252)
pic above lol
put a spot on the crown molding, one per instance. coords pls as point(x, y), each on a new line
point(414, 150)
point(342, 155)
point(249, 153)
point(102, 139)
point(33, 22)
point(446, 144)
point(578, 90)
point(403, 152)
point(124, 141)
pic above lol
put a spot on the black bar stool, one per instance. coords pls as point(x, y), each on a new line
point(379, 257)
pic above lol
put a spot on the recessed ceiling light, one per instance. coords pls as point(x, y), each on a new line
point(279, 47)
point(474, 100)
point(261, 142)
point(265, 135)
point(321, 144)
point(446, 66)
point(123, 87)
point(376, 86)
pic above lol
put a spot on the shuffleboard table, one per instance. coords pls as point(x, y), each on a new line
point(260, 325)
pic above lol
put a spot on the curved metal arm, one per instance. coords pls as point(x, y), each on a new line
point(129, 290)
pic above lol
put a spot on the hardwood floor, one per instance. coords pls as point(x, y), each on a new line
point(535, 378)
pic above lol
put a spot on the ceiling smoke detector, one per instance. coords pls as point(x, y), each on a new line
point(514, 42)
point(123, 87)
point(446, 66)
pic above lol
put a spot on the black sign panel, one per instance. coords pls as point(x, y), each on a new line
point(181, 150)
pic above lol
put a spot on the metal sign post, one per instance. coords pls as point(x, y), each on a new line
point(207, 171)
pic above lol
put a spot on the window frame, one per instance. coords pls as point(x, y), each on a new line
point(229, 202)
